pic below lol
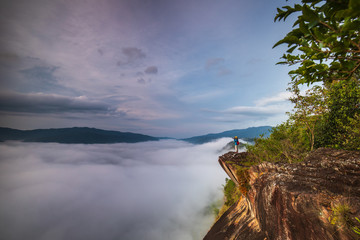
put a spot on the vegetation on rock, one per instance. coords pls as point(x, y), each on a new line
point(323, 49)
point(324, 45)
point(231, 196)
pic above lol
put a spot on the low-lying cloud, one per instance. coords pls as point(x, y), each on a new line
point(153, 190)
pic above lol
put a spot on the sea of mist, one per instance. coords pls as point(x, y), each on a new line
point(148, 191)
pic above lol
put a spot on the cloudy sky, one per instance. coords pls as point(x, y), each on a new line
point(158, 67)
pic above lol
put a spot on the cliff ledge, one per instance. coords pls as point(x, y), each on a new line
point(315, 199)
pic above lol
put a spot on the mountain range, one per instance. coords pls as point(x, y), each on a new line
point(73, 135)
point(87, 135)
point(246, 134)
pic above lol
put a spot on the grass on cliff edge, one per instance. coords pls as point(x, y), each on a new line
point(232, 195)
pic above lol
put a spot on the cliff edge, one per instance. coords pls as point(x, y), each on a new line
point(315, 199)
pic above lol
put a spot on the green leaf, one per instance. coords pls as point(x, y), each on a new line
point(351, 25)
point(354, 4)
point(298, 7)
point(309, 15)
point(290, 50)
point(288, 39)
point(313, 24)
point(308, 63)
point(343, 13)
point(304, 28)
point(324, 32)
point(306, 50)
point(335, 65)
point(318, 34)
point(330, 39)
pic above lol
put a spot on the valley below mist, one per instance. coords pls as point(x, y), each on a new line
point(151, 190)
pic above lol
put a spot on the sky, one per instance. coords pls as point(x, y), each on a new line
point(109, 191)
point(157, 67)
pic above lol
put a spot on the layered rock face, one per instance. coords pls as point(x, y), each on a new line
point(315, 199)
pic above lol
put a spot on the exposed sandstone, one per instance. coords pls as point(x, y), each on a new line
point(315, 199)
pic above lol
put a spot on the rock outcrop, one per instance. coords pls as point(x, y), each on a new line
point(315, 199)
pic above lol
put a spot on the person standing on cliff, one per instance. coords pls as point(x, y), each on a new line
point(236, 143)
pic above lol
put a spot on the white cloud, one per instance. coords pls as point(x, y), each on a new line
point(265, 111)
point(269, 106)
point(279, 98)
point(255, 110)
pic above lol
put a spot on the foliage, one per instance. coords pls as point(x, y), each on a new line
point(231, 196)
point(356, 229)
point(325, 46)
point(322, 117)
point(342, 217)
point(286, 143)
point(349, 136)
point(213, 208)
point(242, 175)
point(325, 41)
point(308, 109)
point(340, 127)
point(231, 192)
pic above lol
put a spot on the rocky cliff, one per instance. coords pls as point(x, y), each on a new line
point(315, 199)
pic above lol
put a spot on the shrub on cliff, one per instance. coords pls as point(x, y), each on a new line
point(231, 195)
point(230, 192)
point(287, 143)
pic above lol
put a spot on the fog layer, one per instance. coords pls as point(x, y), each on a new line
point(153, 190)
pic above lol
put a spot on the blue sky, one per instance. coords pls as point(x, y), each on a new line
point(160, 67)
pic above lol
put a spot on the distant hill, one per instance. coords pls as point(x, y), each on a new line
point(246, 134)
point(73, 135)
point(87, 135)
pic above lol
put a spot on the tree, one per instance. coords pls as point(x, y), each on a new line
point(325, 41)
point(325, 46)
point(308, 109)
point(340, 126)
